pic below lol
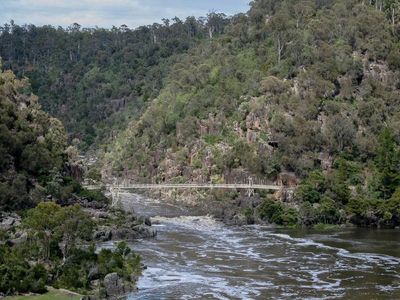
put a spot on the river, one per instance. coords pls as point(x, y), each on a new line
point(197, 257)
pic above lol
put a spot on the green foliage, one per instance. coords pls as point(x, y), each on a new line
point(32, 144)
point(278, 213)
point(249, 214)
point(302, 87)
point(49, 224)
point(17, 275)
point(328, 212)
point(60, 252)
point(94, 174)
point(74, 273)
point(96, 80)
point(122, 261)
point(311, 189)
point(388, 163)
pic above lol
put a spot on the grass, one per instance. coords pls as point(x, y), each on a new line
point(52, 294)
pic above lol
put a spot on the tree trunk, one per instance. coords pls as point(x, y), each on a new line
point(280, 49)
point(393, 16)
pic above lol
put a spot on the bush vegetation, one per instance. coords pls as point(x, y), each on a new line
point(60, 252)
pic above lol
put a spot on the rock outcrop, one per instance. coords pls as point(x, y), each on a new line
point(7, 221)
point(115, 286)
point(121, 226)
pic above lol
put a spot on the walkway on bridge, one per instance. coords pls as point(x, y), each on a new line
point(155, 186)
point(117, 188)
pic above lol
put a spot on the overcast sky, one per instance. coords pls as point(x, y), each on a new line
point(105, 13)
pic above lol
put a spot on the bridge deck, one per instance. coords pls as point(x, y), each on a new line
point(193, 186)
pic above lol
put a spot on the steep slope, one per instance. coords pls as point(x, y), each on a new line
point(36, 163)
point(291, 89)
point(32, 145)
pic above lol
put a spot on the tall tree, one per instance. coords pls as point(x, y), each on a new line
point(388, 163)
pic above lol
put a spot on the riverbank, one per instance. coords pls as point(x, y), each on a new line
point(235, 208)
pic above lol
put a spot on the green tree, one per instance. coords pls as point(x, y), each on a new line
point(49, 224)
point(74, 225)
point(387, 163)
point(42, 223)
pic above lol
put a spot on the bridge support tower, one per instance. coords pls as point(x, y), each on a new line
point(115, 195)
point(250, 190)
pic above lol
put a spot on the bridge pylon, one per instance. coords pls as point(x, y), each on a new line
point(115, 195)
point(250, 190)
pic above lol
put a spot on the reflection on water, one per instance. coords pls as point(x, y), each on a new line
point(199, 258)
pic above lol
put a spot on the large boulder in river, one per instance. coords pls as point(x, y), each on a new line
point(144, 220)
point(132, 233)
point(104, 234)
point(145, 231)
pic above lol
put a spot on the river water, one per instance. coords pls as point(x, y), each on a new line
point(196, 257)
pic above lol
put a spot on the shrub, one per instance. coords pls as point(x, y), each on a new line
point(278, 213)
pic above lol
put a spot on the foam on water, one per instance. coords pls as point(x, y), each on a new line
point(198, 257)
point(368, 257)
point(203, 223)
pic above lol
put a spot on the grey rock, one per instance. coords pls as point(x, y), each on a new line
point(144, 231)
point(19, 238)
point(98, 214)
point(123, 234)
point(7, 221)
point(239, 219)
point(103, 235)
point(132, 233)
point(145, 220)
point(94, 273)
point(95, 284)
point(114, 285)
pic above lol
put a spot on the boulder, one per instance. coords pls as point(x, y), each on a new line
point(114, 285)
point(239, 219)
point(19, 238)
point(7, 221)
point(145, 220)
point(145, 231)
point(137, 232)
point(103, 235)
point(94, 273)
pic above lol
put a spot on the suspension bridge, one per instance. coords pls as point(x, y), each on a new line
point(117, 188)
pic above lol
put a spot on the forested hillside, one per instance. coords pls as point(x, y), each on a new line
point(32, 145)
point(96, 80)
point(293, 90)
point(298, 92)
point(44, 239)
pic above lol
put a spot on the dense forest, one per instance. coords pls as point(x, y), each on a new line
point(292, 91)
point(96, 80)
point(300, 92)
